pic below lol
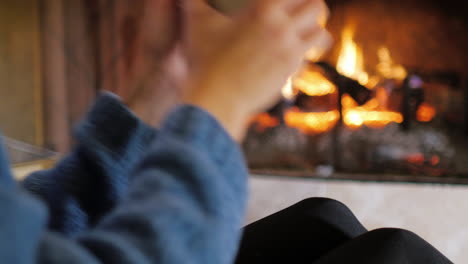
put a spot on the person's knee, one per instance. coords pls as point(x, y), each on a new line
point(407, 243)
point(397, 235)
point(334, 213)
point(322, 205)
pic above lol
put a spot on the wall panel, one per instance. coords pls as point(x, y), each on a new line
point(20, 71)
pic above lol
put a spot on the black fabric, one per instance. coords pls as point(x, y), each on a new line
point(325, 231)
point(299, 234)
point(385, 246)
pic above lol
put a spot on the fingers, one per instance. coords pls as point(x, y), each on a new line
point(301, 16)
point(317, 43)
point(309, 18)
point(310, 12)
point(294, 8)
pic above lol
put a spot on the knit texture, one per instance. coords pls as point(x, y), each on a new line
point(130, 194)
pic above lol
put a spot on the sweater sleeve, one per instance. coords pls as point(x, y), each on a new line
point(186, 202)
point(6, 179)
point(88, 182)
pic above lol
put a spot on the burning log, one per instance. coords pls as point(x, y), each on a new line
point(309, 103)
point(346, 85)
point(278, 111)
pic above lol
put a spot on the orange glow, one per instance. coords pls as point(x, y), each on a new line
point(312, 122)
point(417, 158)
point(368, 114)
point(265, 121)
point(351, 59)
point(387, 68)
point(314, 84)
point(425, 113)
point(354, 116)
point(374, 113)
point(288, 90)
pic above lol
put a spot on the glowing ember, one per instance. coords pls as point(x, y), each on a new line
point(425, 113)
point(369, 114)
point(351, 60)
point(416, 158)
point(314, 84)
point(435, 160)
point(354, 116)
point(312, 122)
point(265, 121)
point(376, 119)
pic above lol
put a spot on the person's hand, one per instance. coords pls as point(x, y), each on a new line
point(239, 64)
point(152, 67)
point(159, 91)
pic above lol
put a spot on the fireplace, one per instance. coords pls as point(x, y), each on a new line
point(388, 102)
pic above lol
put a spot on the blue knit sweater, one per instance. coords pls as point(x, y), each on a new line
point(130, 194)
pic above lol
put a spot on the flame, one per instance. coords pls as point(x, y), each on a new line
point(387, 68)
point(312, 122)
point(355, 116)
point(351, 59)
point(350, 63)
point(288, 90)
point(425, 113)
point(314, 83)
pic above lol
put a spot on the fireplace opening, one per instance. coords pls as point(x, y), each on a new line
point(388, 102)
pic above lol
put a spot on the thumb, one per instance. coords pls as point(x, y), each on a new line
point(319, 44)
point(202, 22)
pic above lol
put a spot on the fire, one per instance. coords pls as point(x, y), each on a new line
point(350, 63)
point(355, 116)
point(288, 90)
point(351, 58)
point(312, 122)
point(425, 113)
point(314, 84)
point(387, 68)
point(265, 121)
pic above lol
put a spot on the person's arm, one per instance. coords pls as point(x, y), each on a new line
point(89, 181)
point(186, 202)
point(240, 63)
point(187, 198)
point(22, 219)
point(185, 205)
